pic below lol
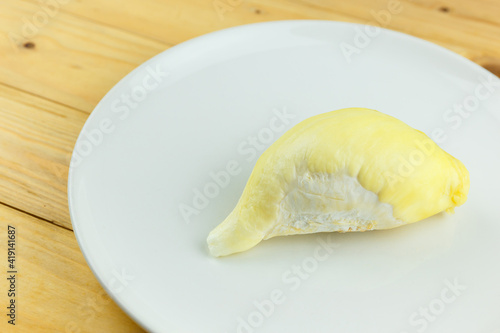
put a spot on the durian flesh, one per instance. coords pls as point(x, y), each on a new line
point(348, 170)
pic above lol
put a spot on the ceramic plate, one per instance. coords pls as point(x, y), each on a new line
point(165, 155)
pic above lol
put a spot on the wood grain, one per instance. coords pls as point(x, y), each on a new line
point(56, 291)
point(94, 43)
point(69, 60)
point(471, 28)
point(36, 140)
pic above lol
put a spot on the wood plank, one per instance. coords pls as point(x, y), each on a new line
point(94, 44)
point(67, 59)
point(36, 141)
point(468, 27)
point(56, 291)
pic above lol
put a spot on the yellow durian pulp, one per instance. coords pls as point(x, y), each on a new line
point(348, 170)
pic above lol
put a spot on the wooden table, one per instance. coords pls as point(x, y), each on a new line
point(58, 58)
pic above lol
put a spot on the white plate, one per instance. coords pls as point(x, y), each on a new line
point(139, 163)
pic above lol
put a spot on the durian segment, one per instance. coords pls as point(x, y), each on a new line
point(348, 170)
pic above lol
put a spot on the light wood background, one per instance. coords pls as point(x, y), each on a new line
point(58, 58)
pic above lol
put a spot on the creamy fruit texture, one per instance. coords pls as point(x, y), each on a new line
point(348, 170)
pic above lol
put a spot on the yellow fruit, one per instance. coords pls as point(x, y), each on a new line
point(347, 170)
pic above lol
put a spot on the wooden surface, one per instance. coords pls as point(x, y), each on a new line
point(52, 75)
